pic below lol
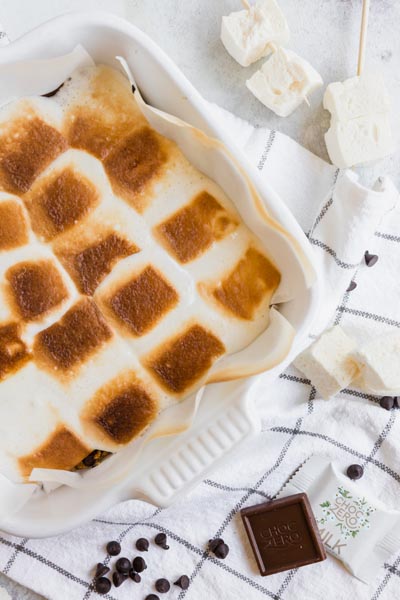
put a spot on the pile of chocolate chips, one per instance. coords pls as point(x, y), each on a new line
point(126, 569)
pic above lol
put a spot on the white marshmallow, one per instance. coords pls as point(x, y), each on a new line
point(359, 140)
point(328, 362)
point(360, 130)
point(284, 81)
point(247, 34)
point(357, 97)
point(379, 363)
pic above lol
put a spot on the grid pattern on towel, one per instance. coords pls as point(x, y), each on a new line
point(295, 424)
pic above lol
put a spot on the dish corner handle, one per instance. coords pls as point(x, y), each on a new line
point(191, 458)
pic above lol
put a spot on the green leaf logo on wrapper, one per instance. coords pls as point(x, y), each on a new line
point(347, 514)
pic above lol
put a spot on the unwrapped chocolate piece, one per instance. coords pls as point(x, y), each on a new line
point(283, 534)
point(357, 529)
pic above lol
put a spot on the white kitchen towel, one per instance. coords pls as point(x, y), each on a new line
point(342, 219)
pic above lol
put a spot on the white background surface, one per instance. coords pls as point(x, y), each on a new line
point(323, 31)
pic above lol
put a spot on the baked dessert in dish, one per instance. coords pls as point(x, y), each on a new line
point(125, 275)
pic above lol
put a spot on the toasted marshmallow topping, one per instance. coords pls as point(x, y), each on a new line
point(125, 274)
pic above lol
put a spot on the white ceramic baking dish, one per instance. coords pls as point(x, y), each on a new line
point(170, 466)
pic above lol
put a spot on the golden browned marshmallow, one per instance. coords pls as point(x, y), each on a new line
point(63, 347)
point(136, 163)
point(89, 261)
point(27, 146)
point(14, 227)
point(137, 304)
point(183, 360)
point(38, 428)
point(61, 450)
point(57, 202)
point(120, 410)
point(100, 111)
point(252, 281)
point(35, 288)
point(13, 350)
point(192, 229)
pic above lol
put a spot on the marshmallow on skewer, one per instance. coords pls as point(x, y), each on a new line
point(247, 34)
point(357, 97)
point(284, 81)
point(360, 129)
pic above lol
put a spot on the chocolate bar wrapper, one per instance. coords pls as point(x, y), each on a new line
point(358, 530)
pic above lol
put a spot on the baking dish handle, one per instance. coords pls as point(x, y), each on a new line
point(190, 457)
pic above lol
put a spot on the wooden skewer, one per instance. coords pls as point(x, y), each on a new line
point(363, 36)
point(246, 4)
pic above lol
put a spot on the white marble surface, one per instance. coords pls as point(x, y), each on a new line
point(323, 31)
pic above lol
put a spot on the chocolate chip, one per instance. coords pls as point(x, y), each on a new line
point(183, 582)
point(119, 578)
point(139, 564)
point(352, 286)
point(355, 472)
point(53, 92)
point(162, 585)
point(142, 545)
point(387, 402)
point(221, 551)
point(101, 570)
point(152, 597)
point(218, 546)
point(135, 576)
point(90, 460)
point(113, 548)
point(102, 585)
point(213, 544)
point(161, 540)
point(123, 565)
point(370, 259)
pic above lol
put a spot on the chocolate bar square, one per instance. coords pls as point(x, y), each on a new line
point(283, 534)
